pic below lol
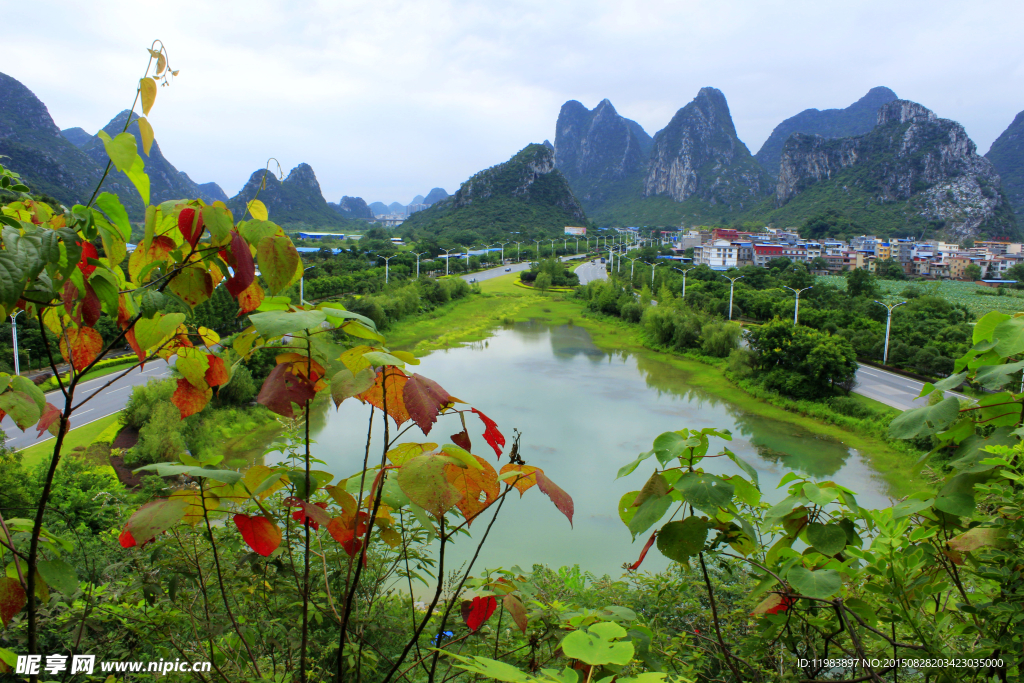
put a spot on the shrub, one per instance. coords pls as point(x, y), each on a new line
point(160, 438)
point(240, 390)
point(720, 338)
point(144, 399)
point(632, 312)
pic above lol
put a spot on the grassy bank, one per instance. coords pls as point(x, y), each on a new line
point(79, 436)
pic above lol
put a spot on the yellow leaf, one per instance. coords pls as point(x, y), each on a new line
point(161, 63)
point(147, 135)
point(258, 210)
point(147, 88)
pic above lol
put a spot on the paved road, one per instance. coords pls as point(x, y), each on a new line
point(501, 270)
point(592, 271)
point(111, 400)
point(891, 389)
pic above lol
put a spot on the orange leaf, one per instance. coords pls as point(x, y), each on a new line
point(217, 373)
point(395, 388)
point(302, 364)
point(12, 599)
point(86, 344)
point(189, 399)
point(525, 482)
point(473, 485)
point(250, 298)
point(159, 250)
point(48, 419)
point(561, 499)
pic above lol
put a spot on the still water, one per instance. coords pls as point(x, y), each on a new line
point(584, 413)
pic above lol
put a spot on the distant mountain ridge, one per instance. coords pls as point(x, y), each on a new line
point(295, 200)
point(857, 119)
point(1007, 155)
point(526, 190)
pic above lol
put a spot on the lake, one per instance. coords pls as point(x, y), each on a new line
point(583, 414)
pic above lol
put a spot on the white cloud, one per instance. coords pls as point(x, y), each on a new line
point(388, 99)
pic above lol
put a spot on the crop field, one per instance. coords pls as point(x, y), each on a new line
point(979, 300)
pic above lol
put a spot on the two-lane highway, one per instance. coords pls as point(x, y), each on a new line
point(110, 400)
point(891, 389)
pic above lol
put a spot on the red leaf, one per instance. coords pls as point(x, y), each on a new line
point(462, 440)
point(643, 553)
point(250, 298)
point(395, 382)
point(216, 374)
point(126, 539)
point(244, 267)
point(477, 611)
point(424, 399)
point(191, 228)
point(85, 342)
point(188, 399)
point(491, 433)
point(785, 603)
point(514, 607)
point(12, 598)
point(561, 499)
point(259, 533)
point(50, 415)
point(88, 252)
point(132, 342)
point(350, 539)
point(90, 307)
point(283, 387)
point(315, 512)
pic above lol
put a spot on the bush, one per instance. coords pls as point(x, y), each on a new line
point(144, 400)
point(741, 363)
point(720, 338)
point(160, 438)
point(240, 390)
point(632, 312)
point(849, 406)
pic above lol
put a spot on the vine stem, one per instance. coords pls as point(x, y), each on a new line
point(714, 614)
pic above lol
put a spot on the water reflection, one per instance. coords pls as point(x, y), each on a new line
point(584, 413)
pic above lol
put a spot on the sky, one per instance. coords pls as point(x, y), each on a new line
point(387, 99)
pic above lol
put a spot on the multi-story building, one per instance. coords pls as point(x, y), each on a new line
point(719, 254)
point(744, 253)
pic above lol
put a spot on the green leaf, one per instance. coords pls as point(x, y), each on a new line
point(648, 513)
point(1009, 337)
point(218, 222)
point(820, 495)
point(910, 506)
point(345, 384)
point(597, 645)
point(337, 317)
point(823, 583)
point(986, 325)
point(11, 280)
point(278, 261)
point(671, 445)
point(706, 492)
point(926, 420)
point(60, 575)
point(978, 537)
point(462, 455)
point(743, 465)
point(999, 410)
point(490, 669)
point(957, 496)
point(107, 291)
point(423, 480)
point(122, 150)
point(278, 323)
point(994, 377)
point(783, 508)
point(951, 382)
point(861, 609)
point(827, 539)
point(628, 469)
point(680, 541)
point(170, 470)
point(137, 174)
point(116, 213)
point(30, 389)
point(21, 407)
point(656, 487)
point(154, 518)
point(379, 358)
point(626, 509)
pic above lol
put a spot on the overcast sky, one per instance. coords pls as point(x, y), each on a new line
point(387, 99)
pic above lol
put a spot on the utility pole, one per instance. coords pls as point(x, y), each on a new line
point(387, 264)
point(684, 272)
point(502, 245)
point(796, 308)
point(632, 265)
point(517, 252)
point(732, 284)
point(447, 259)
point(14, 332)
point(301, 301)
point(888, 325)
point(418, 263)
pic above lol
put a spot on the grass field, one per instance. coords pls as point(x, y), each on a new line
point(79, 436)
point(956, 292)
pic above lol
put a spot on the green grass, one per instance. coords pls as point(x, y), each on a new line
point(79, 436)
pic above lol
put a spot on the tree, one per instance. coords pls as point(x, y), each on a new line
point(543, 282)
point(860, 282)
point(800, 361)
point(888, 269)
point(973, 272)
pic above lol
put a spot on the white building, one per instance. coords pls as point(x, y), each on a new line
point(718, 254)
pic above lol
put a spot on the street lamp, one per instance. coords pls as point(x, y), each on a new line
point(14, 331)
point(732, 284)
point(502, 245)
point(796, 307)
point(888, 324)
point(537, 242)
point(517, 251)
point(684, 272)
point(418, 263)
point(577, 244)
point(552, 248)
point(387, 263)
point(447, 259)
point(632, 266)
point(301, 301)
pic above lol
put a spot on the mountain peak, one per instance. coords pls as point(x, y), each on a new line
point(699, 155)
point(904, 111)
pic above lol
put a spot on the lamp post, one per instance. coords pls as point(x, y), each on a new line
point(653, 266)
point(387, 264)
point(732, 284)
point(447, 259)
point(301, 301)
point(502, 245)
point(796, 307)
point(552, 248)
point(537, 242)
point(418, 263)
point(14, 332)
point(888, 324)
point(517, 251)
point(632, 266)
point(684, 272)
point(577, 245)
